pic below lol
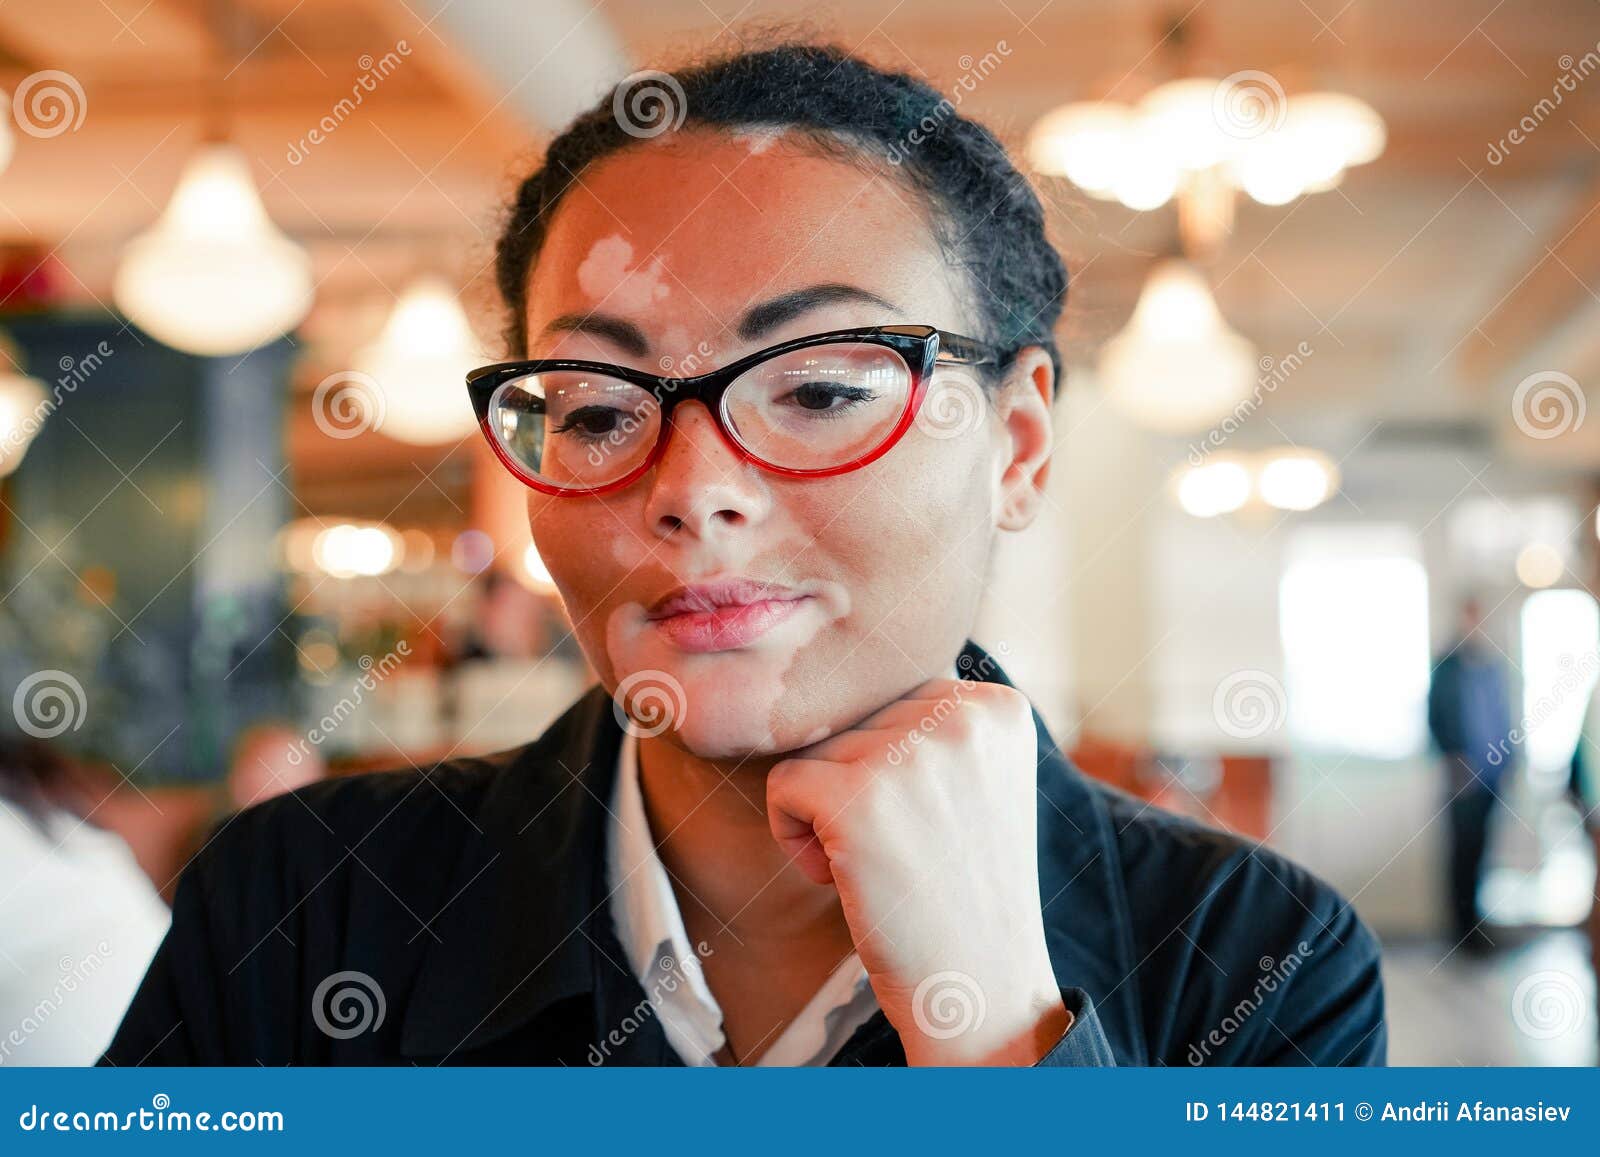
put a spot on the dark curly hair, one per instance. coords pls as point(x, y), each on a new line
point(984, 213)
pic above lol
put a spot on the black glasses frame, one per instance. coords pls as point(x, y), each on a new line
point(922, 347)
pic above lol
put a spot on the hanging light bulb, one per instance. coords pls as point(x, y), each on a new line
point(1298, 479)
point(214, 276)
point(1218, 487)
point(1084, 142)
point(1177, 366)
point(420, 363)
point(21, 407)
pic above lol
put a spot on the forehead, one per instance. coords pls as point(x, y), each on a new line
point(694, 229)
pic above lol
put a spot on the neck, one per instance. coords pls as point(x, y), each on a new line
point(709, 818)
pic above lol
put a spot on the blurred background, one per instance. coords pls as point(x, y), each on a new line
point(1318, 564)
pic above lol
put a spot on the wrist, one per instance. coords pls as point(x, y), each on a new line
point(1019, 1031)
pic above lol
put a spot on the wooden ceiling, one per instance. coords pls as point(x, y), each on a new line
point(1427, 284)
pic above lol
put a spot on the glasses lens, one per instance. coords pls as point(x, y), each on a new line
point(819, 407)
point(574, 429)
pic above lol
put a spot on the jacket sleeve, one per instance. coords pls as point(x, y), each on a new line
point(1084, 1043)
point(176, 1016)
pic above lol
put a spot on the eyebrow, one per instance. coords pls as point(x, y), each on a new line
point(629, 337)
point(769, 315)
point(757, 321)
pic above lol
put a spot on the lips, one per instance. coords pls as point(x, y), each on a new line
point(725, 615)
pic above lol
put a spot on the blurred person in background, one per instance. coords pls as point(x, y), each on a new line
point(1469, 717)
point(270, 758)
point(804, 819)
point(79, 920)
point(508, 621)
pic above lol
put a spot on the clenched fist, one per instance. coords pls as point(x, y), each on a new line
point(923, 817)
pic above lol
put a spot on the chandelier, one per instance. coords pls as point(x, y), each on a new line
point(1242, 132)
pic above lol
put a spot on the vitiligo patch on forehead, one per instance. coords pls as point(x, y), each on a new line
point(607, 275)
point(759, 138)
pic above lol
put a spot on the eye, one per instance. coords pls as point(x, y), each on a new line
point(590, 421)
point(819, 397)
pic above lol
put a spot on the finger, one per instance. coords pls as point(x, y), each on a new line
point(796, 793)
point(806, 853)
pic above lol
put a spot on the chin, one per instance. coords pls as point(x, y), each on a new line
point(731, 733)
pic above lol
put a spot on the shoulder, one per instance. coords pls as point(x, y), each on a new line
point(383, 825)
point(1179, 872)
point(1248, 930)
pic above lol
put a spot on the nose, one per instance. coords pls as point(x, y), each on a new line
point(702, 488)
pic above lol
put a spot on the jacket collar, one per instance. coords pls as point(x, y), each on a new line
point(530, 891)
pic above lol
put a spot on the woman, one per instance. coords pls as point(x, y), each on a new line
point(793, 373)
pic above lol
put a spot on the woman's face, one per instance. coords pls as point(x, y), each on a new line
point(669, 251)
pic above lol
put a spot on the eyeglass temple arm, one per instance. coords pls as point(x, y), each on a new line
point(968, 351)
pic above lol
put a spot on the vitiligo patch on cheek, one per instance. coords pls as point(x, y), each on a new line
point(607, 274)
point(728, 704)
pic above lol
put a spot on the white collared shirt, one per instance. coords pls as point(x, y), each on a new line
point(649, 925)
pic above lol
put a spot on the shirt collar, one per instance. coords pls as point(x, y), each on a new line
point(648, 920)
point(655, 943)
point(530, 890)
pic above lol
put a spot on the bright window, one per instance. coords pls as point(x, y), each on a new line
point(1353, 615)
point(1560, 636)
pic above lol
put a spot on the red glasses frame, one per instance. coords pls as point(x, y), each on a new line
point(921, 347)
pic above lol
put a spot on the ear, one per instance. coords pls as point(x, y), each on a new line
point(1023, 404)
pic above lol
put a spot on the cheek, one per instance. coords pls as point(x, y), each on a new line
point(589, 551)
point(916, 533)
point(909, 538)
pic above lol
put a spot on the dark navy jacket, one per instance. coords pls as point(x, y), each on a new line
point(458, 915)
point(1469, 715)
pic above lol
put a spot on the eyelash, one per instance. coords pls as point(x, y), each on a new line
point(852, 395)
